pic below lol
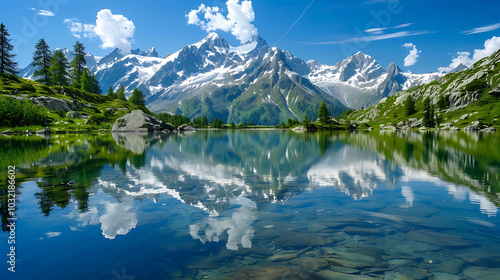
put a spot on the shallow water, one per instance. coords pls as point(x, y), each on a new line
point(255, 205)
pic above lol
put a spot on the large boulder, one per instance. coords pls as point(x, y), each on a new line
point(140, 121)
point(185, 127)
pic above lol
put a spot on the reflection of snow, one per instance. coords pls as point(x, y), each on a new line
point(407, 192)
point(487, 207)
point(148, 183)
point(350, 171)
point(118, 219)
point(239, 226)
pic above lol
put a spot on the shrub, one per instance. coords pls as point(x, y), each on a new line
point(15, 112)
point(96, 119)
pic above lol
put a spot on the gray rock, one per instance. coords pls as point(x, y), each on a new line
point(334, 275)
point(282, 257)
point(72, 115)
point(111, 110)
point(44, 131)
point(489, 129)
point(185, 127)
point(479, 272)
point(310, 263)
point(474, 126)
point(440, 239)
point(140, 121)
point(302, 239)
point(453, 266)
point(54, 104)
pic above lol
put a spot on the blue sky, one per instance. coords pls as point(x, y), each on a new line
point(434, 32)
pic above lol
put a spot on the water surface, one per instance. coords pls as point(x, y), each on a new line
point(255, 205)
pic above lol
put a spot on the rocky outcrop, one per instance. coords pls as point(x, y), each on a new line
point(54, 104)
point(185, 128)
point(138, 121)
point(44, 131)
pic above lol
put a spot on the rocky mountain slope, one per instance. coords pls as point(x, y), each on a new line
point(469, 99)
point(250, 83)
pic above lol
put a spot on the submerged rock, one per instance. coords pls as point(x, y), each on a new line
point(282, 257)
point(310, 263)
point(302, 239)
point(441, 239)
point(334, 275)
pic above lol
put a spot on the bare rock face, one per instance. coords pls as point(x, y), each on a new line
point(138, 121)
point(54, 103)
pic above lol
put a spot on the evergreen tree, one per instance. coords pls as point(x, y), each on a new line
point(121, 93)
point(58, 70)
point(41, 60)
point(204, 121)
point(443, 102)
point(409, 106)
point(7, 65)
point(94, 83)
point(111, 93)
point(84, 81)
point(323, 114)
point(137, 97)
point(77, 64)
point(428, 113)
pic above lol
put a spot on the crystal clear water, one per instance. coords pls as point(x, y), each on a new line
point(254, 205)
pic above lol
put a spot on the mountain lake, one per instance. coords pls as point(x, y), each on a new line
point(250, 204)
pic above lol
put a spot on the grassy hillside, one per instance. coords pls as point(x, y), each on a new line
point(471, 95)
point(18, 111)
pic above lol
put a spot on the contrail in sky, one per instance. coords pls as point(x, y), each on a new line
point(294, 23)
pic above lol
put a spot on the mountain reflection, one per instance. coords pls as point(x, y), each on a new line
point(231, 175)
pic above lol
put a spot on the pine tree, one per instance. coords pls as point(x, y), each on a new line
point(204, 121)
point(7, 65)
point(121, 93)
point(428, 113)
point(137, 97)
point(323, 114)
point(89, 82)
point(77, 64)
point(58, 70)
point(41, 60)
point(409, 106)
point(95, 88)
point(111, 93)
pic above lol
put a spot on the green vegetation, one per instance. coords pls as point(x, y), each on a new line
point(77, 65)
point(457, 100)
point(121, 93)
point(409, 106)
point(137, 98)
point(41, 61)
point(7, 64)
point(175, 120)
point(323, 114)
point(15, 112)
point(58, 69)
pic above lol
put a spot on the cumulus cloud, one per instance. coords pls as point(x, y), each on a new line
point(114, 31)
point(490, 46)
point(240, 15)
point(411, 58)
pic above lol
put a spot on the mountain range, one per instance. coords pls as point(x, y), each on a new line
point(250, 83)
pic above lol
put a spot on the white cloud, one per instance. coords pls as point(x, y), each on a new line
point(378, 31)
point(75, 27)
point(373, 38)
point(490, 46)
point(411, 58)
point(46, 13)
point(482, 29)
point(375, 31)
point(115, 31)
point(240, 15)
